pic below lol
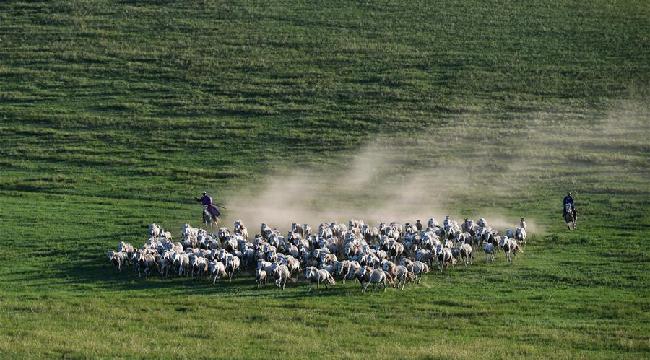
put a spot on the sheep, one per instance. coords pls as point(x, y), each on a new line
point(126, 248)
point(401, 276)
point(466, 254)
point(367, 276)
point(260, 277)
point(347, 269)
point(445, 258)
point(281, 275)
point(293, 264)
point(189, 233)
point(346, 252)
point(117, 258)
point(166, 263)
point(154, 230)
point(510, 247)
point(145, 262)
point(520, 232)
point(240, 229)
point(232, 265)
point(419, 268)
point(489, 250)
point(319, 276)
point(522, 223)
point(217, 270)
point(468, 226)
point(182, 261)
point(199, 266)
point(424, 255)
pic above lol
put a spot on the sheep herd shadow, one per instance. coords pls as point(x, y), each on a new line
point(102, 275)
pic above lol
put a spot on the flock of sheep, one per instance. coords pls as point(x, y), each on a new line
point(389, 254)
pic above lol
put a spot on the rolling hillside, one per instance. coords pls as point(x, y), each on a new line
point(114, 115)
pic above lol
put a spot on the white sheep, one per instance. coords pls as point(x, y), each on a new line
point(154, 230)
point(319, 276)
point(466, 254)
point(217, 270)
point(367, 276)
point(260, 277)
point(281, 275)
point(232, 265)
point(420, 268)
point(117, 258)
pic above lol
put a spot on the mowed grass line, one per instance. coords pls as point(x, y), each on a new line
point(112, 115)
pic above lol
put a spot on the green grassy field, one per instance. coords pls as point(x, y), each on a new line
point(114, 115)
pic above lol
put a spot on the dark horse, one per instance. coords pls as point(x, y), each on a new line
point(210, 218)
point(570, 216)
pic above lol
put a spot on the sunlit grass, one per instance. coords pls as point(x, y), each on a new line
point(114, 115)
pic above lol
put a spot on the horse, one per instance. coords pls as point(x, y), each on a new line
point(208, 219)
point(570, 216)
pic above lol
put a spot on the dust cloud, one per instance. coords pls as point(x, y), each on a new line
point(468, 167)
point(384, 181)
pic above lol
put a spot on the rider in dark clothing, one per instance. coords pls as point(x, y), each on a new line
point(206, 200)
point(568, 200)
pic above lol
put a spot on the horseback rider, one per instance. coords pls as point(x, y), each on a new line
point(206, 200)
point(568, 200)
